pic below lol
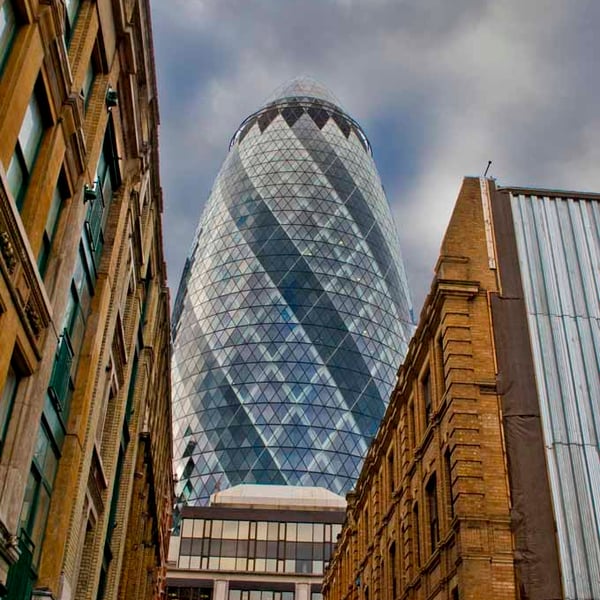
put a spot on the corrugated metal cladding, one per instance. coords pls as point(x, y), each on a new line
point(558, 241)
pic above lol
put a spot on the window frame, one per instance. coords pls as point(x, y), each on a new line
point(426, 395)
point(391, 468)
point(416, 537)
point(72, 9)
point(59, 197)
point(25, 154)
point(31, 520)
point(7, 401)
point(448, 473)
point(433, 514)
point(8, 33)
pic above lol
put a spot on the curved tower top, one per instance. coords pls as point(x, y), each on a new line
point(303, 87)
point(293, 313)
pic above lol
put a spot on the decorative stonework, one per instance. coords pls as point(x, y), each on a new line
point(9, 545)
point(23, 279)
point(8, 252)
point(34, 318)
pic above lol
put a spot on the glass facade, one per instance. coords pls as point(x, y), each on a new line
point(293, 313)
point(256, 546)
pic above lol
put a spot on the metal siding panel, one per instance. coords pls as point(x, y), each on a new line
point(555, 252)
point(558, 242)
point(586, 292)
point(593, 464)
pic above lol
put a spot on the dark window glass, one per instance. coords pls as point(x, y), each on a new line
point(71, 12)
point(34, 511)
point(26, 149)
point(186, 546)
point(440, 362)
point(416, 536)
point(432, 509)
point(304, 551)
point(411, 425)
point(6, 401)
point(392, 562)
point(303, 566)
point(448, 470)
point(8, 28)
point(49, 230)
point(391, 472)
point(215, 547)
point(88, 82)
point(426, 394)
point(228, 548)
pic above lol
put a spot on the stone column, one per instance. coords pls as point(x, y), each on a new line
point(302, 591)
point(221, 589)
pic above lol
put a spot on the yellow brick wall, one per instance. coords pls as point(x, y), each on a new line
point(32, 307)
point(461, 443)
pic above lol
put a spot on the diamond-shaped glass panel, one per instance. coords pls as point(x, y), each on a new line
point(293, 312)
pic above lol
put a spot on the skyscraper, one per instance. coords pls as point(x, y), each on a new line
point(293, 312)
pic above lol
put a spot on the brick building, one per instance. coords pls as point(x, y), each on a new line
point(480, 481)
point(85, 422)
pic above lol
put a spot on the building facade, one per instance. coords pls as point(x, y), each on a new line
point(255, 542)
point(85, 422)
point(293, 310)
point(480, 482)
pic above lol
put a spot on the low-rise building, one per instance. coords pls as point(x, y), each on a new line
point(255, 542)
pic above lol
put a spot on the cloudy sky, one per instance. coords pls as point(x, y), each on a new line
point(439, 86)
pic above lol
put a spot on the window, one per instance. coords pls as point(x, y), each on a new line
point(391, 473)
point(59, 387)
point(440, 362)
point(132, 385)
point(50, 229)
point(392, 561)
point(8, 27)
point(88, 82)
point(71, 12)
point(426, 395)
point(34, 511)
point(411, 425)
point(28, 144)
point(78, 307)
point(416, 536)
point(432, 510)
point(448, 470)
point(107, 179)
point(6, 401)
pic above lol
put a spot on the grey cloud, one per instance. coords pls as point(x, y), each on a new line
point(440, 87)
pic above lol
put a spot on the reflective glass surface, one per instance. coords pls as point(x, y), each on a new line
point(293, 312)
point(261, 546)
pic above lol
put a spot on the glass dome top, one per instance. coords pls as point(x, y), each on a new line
point(303, 87)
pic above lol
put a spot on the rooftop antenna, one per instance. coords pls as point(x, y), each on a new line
point(487, 168)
